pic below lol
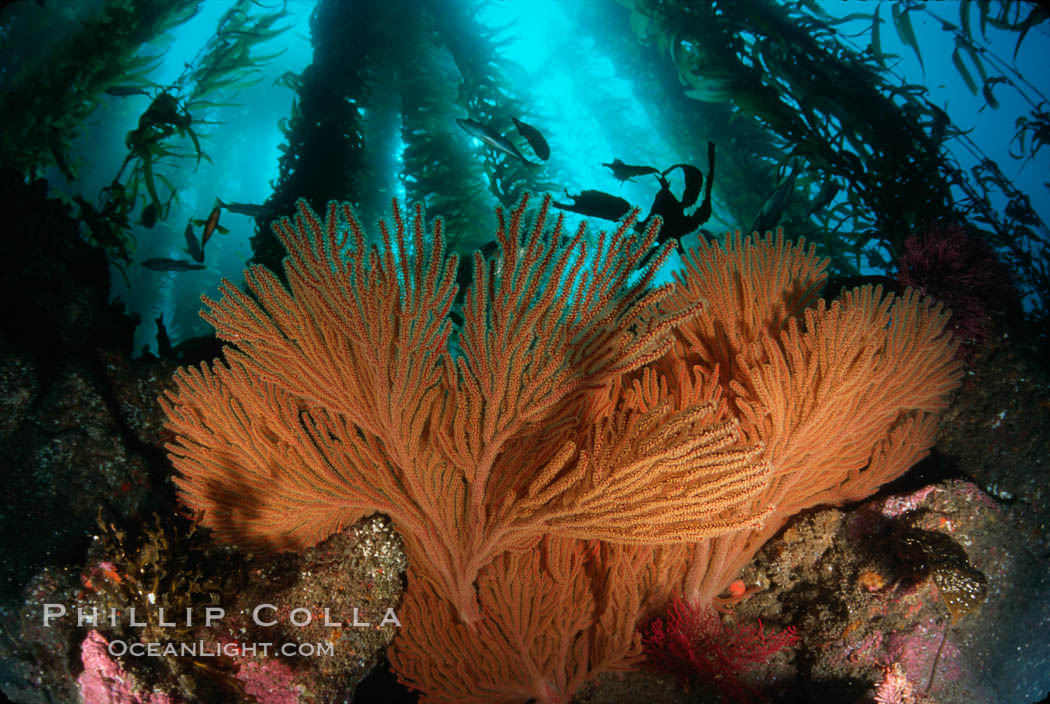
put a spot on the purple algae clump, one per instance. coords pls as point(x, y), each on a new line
point(964, 272)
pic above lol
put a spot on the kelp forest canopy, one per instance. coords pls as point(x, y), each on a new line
point(387, 84)
point(815, 125)
point(50, 93)
point(815, 130)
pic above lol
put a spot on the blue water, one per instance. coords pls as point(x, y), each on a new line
point(589, 112)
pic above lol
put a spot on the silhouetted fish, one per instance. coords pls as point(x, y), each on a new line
point(596, 204)
point(165, 264)
point(192, 247)
point(210, 226)
point(534, 138)
point(249, 209)
point(492, 138)
point(628, 172)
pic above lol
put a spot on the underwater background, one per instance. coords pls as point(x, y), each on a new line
point(156, 142)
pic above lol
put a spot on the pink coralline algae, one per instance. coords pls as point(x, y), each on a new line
point(269, 680)
point(896, 506)
point(915, 651)
point(964, 273)
point(103, 681)
point(692, 644)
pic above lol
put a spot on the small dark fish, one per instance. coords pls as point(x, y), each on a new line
point(192, 247)
point(627, 172)
point(492, 138)
point(164, 347)
point(534, 138)
point(596, 204)
point(209, 227)
point(149, 216)
point(125, 91)
point(164, 264)
point(249, 209)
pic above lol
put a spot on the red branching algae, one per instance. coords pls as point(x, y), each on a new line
point(691, 643)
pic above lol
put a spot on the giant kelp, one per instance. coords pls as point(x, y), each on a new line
point(48, 95)
point(780, 69)
point(486, 94)
point(748, 153)
point(420, 65)
point(439, 162)
point(223, 65)
point(49, 88)
point(323, 155)
point(841, 120)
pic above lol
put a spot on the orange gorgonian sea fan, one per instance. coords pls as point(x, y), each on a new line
point(682, 425)
point(339, 397)
point(842, 397)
